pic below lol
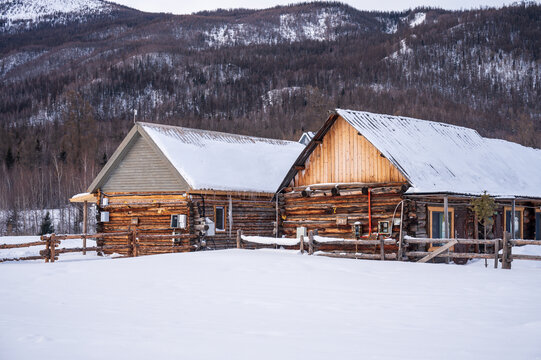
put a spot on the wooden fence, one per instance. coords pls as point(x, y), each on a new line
point(136, 244)
point(379, 248)
point(445, 251)
point(499, 250)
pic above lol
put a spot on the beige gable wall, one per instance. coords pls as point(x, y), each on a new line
point(143, 169)
point(345, 157)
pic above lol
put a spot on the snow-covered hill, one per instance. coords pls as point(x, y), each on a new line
point(25, 14)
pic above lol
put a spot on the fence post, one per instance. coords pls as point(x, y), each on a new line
point(52, 247)
point(400, 236)
point(507, 246)
point(302, 244)
point(135, 242)
point(382, 247)
point(85, 216)
point(311, 242)
point(239, 238)
point(496, 252)
point(47, 247)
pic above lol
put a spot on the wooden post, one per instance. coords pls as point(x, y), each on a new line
point(52, 247)
point(382, 247)
point(135, 242)
point(239, 238)
point(311, 242)
point(400, 239)
point(475, 231)
point(302, 244)
point(230, 217)
point(446, 217)
point(507, 249)
point(496, 252)
point(513, 214)
point(85, 221)
point(47, 247)
point(276, 227)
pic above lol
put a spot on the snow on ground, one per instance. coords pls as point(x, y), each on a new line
point(266, 304)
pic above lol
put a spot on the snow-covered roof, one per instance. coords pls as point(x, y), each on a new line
point(219, 161)
point(442, 158)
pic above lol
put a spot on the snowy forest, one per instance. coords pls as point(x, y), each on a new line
point(70, 88)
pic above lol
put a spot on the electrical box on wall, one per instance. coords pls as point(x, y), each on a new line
point(178, 221)
point(211, 231)
point(301, 230)
point(384, 227)
point(104, 216)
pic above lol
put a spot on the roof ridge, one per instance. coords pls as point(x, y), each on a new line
point(212, 132)
point(409, 118)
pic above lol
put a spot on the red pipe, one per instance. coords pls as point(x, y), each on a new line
point(369, 215)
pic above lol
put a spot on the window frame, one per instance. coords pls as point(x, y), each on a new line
point(538, 224)
point(441, 209)
point(518, 209)
point(224, 209)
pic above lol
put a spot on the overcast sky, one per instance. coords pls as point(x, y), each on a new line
point(187, 7)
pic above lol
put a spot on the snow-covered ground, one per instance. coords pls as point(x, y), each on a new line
point(267, 304)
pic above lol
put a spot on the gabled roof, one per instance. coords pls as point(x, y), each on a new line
point(210, 160)
point(442, 158)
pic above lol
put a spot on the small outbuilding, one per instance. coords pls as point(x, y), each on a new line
point(168, 180)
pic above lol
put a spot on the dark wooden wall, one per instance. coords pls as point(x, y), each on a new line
point(317, 208)
point(254, 214)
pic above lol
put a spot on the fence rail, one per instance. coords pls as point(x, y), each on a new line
point(132, 247)
point(331, 248)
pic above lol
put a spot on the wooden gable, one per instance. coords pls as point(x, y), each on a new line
point(139, 166)
point(344, 156)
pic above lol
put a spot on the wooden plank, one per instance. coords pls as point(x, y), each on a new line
point(452, 255)
point(438, 251)
point(361, 256)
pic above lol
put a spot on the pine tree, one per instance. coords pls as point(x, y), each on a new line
point(484, 207)
point(46, 225)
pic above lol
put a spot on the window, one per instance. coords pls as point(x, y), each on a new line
point(219, 218)
point(436, 222)
point(538, 224)
point(518, 221)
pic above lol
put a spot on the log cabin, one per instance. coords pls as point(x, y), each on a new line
point(167, 180)
point(365, 174)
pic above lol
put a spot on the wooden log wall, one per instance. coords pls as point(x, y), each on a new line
point(254, 214)
point(333, 212)
point(148, 213)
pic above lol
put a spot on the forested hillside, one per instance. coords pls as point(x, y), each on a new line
point(70, 84)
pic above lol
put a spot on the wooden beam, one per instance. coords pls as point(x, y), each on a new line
point(299, 167)
point(85, 222)
point(438, 251)
point(91, 198)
